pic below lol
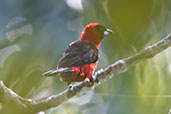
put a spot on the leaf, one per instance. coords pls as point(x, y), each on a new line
point(6, 52)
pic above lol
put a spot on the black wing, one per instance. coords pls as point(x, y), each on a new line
point(79, 53)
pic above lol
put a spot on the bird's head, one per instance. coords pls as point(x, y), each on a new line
point(94, 32)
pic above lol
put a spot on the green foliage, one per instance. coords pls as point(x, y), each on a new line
point(33, 35)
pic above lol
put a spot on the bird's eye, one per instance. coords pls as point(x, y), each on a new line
point(100, 30)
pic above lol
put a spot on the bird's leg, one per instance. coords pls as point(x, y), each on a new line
point(91, 81)
point(69, 83)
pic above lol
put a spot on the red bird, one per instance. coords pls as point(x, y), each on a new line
point(80, 59)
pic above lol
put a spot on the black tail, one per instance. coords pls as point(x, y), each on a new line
point(56, 71)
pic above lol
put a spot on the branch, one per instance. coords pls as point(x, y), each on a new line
point(33, 106)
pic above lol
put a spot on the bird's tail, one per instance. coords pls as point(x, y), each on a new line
point(56, 71)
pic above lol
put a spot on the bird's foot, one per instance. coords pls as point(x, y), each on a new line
point(89, 82)
point(71, 86)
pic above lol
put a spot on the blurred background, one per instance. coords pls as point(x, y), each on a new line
point(34, 33)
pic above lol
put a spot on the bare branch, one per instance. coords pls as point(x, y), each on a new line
point(122, 65)
point(33, 106)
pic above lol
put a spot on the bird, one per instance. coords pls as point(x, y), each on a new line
point(80, 59)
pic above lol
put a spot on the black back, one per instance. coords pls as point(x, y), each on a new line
point(79, 53)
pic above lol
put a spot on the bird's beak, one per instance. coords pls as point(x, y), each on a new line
point(108, 31)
